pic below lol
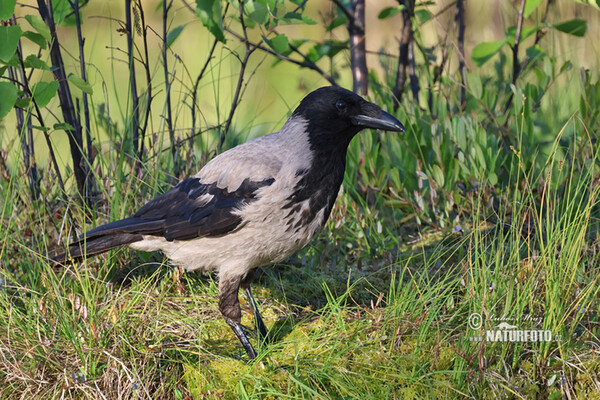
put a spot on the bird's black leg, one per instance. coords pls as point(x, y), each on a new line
point(229, 305)
point(260, 325)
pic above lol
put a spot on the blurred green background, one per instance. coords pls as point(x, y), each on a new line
point(275, 89)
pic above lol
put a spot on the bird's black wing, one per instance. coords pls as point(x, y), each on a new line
point(190, 210)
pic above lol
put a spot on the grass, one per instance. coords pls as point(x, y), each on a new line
point(359, 314)
point(463, 215)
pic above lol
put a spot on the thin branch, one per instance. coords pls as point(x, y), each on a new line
point(358, 56)
point(169, 118)
point(249, 50)
point(538, 36)
point(307, 64)
point(146, 64)
point(135, 116)
point(347, 13)
point(26, 139)
point(190, 8)
point(414, 80)
point(38, 113)
point(355, 18)
point(403, 58)
point(89, 179)
point(195, 89)
point(437, 74)
point(515, 51)
point(517, 42)
point(65, 98)
point(460, 19)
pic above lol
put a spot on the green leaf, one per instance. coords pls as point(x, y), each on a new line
point(530, 6)
point(296, 18)
point(484, 51)
point(279, 44)
point(8, 97)
point(474, 83)
point(23, 102)
point(525, 33)
point(13, 62)
point(339, 21)
point(437, 175)
point(295, 43)
point(174, 34)
point(35, 38)
point(80, 83)
point(63, 126)
point(40, 128)
point(34, 62)
point(390, 12)
point(329, 48)
point(9, 39)
point(256, 12)
point(575, 27)
point(209, 12)
point(535, 51)
point(63, 12)
point(308, 21)
point(178, 394)
point(422, 16)
point(7, 8)
point(567, 65)
point(43, 92)
point(39, 25)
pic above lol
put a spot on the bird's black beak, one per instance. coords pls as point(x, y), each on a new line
point(385, 121)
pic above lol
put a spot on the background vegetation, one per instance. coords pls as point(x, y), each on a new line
point(488, 205)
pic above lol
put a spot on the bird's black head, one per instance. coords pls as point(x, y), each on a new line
point(335, 115)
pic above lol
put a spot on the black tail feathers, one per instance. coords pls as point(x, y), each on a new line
point(95, 245)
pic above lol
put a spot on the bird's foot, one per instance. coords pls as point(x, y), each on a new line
point(241, 333)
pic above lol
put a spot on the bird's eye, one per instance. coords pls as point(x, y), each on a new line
point(340, 105)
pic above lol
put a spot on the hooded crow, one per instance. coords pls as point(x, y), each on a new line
point(253, 205)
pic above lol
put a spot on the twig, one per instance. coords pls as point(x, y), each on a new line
point(436, 75)
point(412, 71)
point(86, 110)
point(26, 139)
point(460, 19)
point(403, 58)
point(249, 50)
point(135, 118)
point(26, 142)
point(538, 36)
point(25, 85)
point(65, 98)
point(343, 9)
point(196, 83)
point(146, 64)
point(517, 41)
point(515, 51)
point(306, 64)
point(169, 118)
point(358, 57)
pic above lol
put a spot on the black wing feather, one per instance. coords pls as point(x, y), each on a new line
point(179, 214)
